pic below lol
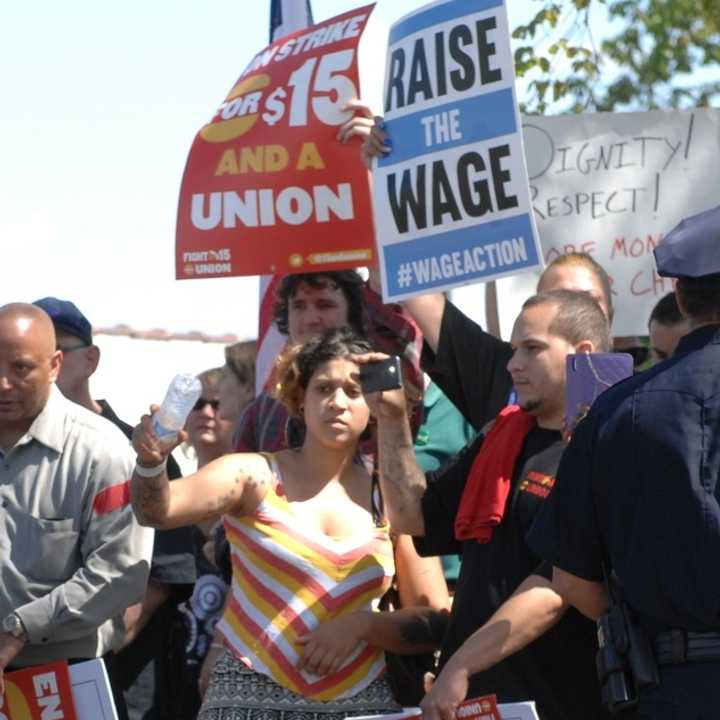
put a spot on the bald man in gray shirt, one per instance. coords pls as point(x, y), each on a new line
point(72, 556)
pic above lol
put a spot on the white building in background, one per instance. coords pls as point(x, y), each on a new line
point(137, 366)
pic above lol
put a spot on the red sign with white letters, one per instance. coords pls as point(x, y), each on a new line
point(479, 708)
point(38, 692)
point(267, 188)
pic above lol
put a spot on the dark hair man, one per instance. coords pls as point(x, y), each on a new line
point(469, 364)
point(483, 504)
point(339, 302)
point(637, 491)
point(666, 326)
point(146, 652)
point(72, 555)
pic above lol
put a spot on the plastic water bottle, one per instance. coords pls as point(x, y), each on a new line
point(182, 394)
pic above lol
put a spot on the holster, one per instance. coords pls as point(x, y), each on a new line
point(625, 661)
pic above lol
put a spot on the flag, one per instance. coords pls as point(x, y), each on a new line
point(286, 16)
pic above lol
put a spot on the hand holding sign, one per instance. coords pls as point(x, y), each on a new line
point(448, 690)
point(376, 143)
point(363, 124)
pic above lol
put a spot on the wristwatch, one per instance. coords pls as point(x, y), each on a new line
point(13, 625)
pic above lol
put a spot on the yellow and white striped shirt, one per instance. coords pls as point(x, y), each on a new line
point(287, 579)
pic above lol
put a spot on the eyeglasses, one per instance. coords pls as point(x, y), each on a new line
point(202, 402)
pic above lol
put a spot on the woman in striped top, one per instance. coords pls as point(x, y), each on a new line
point(311, 553)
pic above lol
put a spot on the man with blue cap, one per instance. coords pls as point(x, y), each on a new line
point(140, 670)
point(637, 500)
point(73, 334)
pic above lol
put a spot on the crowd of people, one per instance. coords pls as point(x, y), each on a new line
point(341, 553)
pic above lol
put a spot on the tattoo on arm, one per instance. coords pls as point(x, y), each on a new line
point(401, 476)
point(150, 497)
point(231, 498)
point(236, 490)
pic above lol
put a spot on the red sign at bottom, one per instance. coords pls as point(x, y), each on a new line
point(479, 708)
point(38, 692)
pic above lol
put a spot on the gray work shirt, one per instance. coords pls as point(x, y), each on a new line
point(72, 555)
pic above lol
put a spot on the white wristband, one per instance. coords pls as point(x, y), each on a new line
point(148, 472)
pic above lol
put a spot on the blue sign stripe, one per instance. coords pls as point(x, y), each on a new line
point(470, 253)
point(439, 14)
point(480, 118)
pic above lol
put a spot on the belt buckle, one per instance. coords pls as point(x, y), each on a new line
point(678, 646)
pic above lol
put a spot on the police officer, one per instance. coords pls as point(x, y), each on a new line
point(637, 494)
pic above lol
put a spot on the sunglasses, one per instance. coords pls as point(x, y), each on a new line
point(202, 402)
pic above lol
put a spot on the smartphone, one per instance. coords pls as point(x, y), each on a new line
point(589, 375)
point(383, 375)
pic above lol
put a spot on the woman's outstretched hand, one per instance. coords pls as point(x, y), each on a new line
point(149, 448)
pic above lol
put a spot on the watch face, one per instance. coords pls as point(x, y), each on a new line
point(11, 624)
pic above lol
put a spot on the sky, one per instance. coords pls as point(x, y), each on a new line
point(101, 102)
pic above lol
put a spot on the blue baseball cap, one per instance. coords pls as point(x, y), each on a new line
point(692, 248)
point(66, 317)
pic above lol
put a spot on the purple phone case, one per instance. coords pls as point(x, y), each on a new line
point(589, 375)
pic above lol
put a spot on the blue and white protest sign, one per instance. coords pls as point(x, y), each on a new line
point(451, 199)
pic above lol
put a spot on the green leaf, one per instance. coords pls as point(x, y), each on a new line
point(650, 57)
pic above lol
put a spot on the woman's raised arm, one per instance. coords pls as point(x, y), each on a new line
point(233, 483)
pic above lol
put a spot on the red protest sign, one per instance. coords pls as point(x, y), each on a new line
point(267, 187)
point(38, 692)
point(479, 708)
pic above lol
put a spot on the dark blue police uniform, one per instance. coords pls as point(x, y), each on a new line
point(638, 488)
point(638, 484)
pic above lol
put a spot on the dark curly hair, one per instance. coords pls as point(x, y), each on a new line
point(297, 364)
point(348, 281)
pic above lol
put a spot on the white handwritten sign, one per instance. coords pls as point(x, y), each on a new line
point(611, 185)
